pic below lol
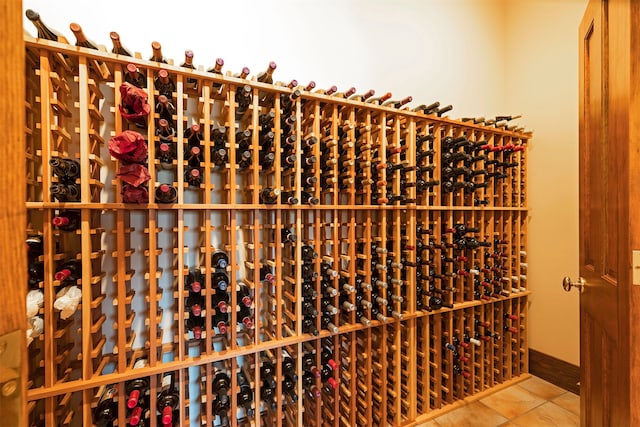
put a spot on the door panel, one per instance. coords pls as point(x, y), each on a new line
point(604, 143)
point(12, 217)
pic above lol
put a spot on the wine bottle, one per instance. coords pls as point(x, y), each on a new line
point(165, 110)
point(107, 410)
point(220, 300)
point(81, 39)
point(244, 160)
point(309, 364)
point(166, 194)
point(345, 304)
point(134, 76)
point(192, 83)
point(266, 160)
point(195, 325)
point(219, 157)
point(327, 270)
point(166, 155)
point(458, 370)
point(308, 198)
point(245, 393)
point(194, 304)
point(266, 77)
point(327, 323)
point(269, 196)
point(219, 280)
point(308, 254)
point(243, 99)
point(243, 139)
point(333, 89)
point(287, 101)
point(194, 281)
point(309, 180)
point(510, 329)
point(427, 109)
point(168, 399)
point(443, 110)
point(328, 308)
point(267, 395)
point(35, 274)
point(44, 32)
point(193, 176)
point(308, 272)
point(221, 410)
point(398, 103)
point(289, 386)
point(66, 169)
point(193, 156)
point(379, 100)
point(266, 121)
point(288, 236)
point(218, 135)
point(69, 271)
point(137, 388)
point(164, 84)
point(243, 293)
point(309, 326)
point(510, 316)
point(308, 290)
point(326, 357)
point(267, 371)
point(507, 118)
point(219, 259)
point(308, 309)
point(188, 60)
point(244, 316)
point(363, 97)
point(243, 73)
point(327, 289)
point(193, 135)
point(67, 220)
point(221, 385)
point(492, 334)
point(347, 93)
point(139, 417)
point(266, 274)
point(117, 45)
point(220, 320)
point(470, 340)
point(217, 69)
point(378, 315)
point(156, 55)
point(291, 85)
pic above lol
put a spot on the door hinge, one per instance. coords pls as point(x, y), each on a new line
point(10, 378)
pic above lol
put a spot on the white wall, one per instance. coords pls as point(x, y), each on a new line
point(542, 84)
point(485, 57)
point(429, 49)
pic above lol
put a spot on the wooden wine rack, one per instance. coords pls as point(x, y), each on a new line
point(135, 257)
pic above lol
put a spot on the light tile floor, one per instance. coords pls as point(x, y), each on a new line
point(530, 403)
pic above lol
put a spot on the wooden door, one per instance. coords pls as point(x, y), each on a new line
point(13, 260)
point(609, 147)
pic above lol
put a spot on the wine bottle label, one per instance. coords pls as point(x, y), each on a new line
point(140, 363)
point(166, 382)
